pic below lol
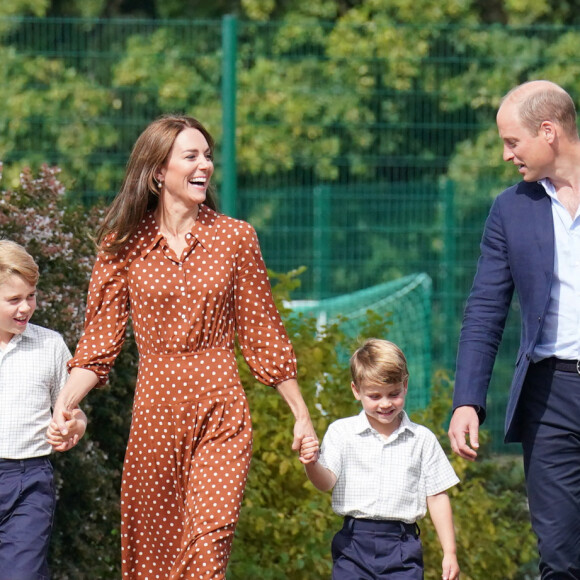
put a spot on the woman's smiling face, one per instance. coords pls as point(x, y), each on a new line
point(188, 171)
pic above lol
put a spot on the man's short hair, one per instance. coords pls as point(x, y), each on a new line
point(547, 102)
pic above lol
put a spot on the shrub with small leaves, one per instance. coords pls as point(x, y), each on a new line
point(85, 542)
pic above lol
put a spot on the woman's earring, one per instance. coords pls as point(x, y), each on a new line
point(157, 184)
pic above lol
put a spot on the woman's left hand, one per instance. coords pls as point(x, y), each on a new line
point(303, 428)
point(290, 392)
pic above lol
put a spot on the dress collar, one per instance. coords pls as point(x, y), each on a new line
point(203, 229)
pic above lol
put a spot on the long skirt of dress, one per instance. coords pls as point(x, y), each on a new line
point(185, 468)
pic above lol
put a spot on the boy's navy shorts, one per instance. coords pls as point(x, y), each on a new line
point(27, 502)
point(376, 550)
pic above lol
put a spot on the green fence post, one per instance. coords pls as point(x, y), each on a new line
point(448, 274)
point(321, 241)
point(229, 85)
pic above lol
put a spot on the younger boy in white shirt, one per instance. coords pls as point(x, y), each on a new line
point(385, 472)
point(32, 372)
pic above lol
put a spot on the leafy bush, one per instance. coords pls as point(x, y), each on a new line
point(490, 510)
point(286, 525)
point(85, 541)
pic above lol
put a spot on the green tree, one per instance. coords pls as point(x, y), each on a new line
point(50, 113)
point(23, 7)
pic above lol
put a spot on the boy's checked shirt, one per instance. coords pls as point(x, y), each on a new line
point(32, 372)
point(380, 478)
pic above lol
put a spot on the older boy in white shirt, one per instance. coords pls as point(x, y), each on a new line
point(385, 472)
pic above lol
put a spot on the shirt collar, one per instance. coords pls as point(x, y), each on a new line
point(548, 187)
point(202, 230)
point(17, 338)
point(551, 192)
point(362, 425)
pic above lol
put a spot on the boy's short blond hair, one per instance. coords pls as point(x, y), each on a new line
point(378, 362)
point(14, 259)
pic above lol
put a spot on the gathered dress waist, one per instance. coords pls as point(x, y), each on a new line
point(173, 378)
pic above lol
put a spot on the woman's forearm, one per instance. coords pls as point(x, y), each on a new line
point(78, 384)
point(290, 392)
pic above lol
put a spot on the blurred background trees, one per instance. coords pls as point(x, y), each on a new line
point(357, 106)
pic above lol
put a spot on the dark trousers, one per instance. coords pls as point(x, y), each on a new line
point(27, 502)
point(377, 550)
point(550, 412)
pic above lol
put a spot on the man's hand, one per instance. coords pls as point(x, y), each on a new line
point(464, 422)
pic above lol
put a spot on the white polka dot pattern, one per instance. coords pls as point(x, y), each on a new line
point(190, 444)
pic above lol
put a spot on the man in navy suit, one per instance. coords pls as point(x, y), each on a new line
point(531, 244)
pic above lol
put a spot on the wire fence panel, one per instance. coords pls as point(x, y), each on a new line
point(366, 153)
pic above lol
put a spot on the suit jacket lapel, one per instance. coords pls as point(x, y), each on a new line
point(542, 222)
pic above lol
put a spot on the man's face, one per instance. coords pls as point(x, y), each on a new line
point(531, 154)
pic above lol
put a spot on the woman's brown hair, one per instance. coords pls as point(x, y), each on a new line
point(139, 192)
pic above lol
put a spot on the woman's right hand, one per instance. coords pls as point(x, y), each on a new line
point(79, 383)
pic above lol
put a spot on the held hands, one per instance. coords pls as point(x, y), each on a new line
point(303, 430)
point(464, 422)
point(309, 450)
point(75, 424)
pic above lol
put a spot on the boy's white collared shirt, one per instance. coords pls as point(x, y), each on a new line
point(380, 478)
point(32, 372)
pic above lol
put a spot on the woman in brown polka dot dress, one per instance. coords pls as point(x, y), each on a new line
point(192, 280)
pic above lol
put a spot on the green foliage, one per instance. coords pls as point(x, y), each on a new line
point(23, 7)
point(36, 89)
point(323, 78)
point(287, 526)
point(514, 12)
point(85, 541)
point(171, 70)
point(338, 91)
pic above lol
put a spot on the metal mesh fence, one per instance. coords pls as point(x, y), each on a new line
point(406, 302)
point(344, 137)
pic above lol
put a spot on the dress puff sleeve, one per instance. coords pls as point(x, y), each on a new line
point(106, 316)
point(261, 334)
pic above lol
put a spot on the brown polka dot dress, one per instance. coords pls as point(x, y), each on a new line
point(190, 444)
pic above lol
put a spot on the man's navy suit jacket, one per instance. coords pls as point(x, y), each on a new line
point(517, 252)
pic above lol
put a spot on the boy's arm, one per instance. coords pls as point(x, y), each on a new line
point(442, 518)
point(322, 478)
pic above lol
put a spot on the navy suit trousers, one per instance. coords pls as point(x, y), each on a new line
point(549, 409)
point(377, 550)
point(27, 502)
